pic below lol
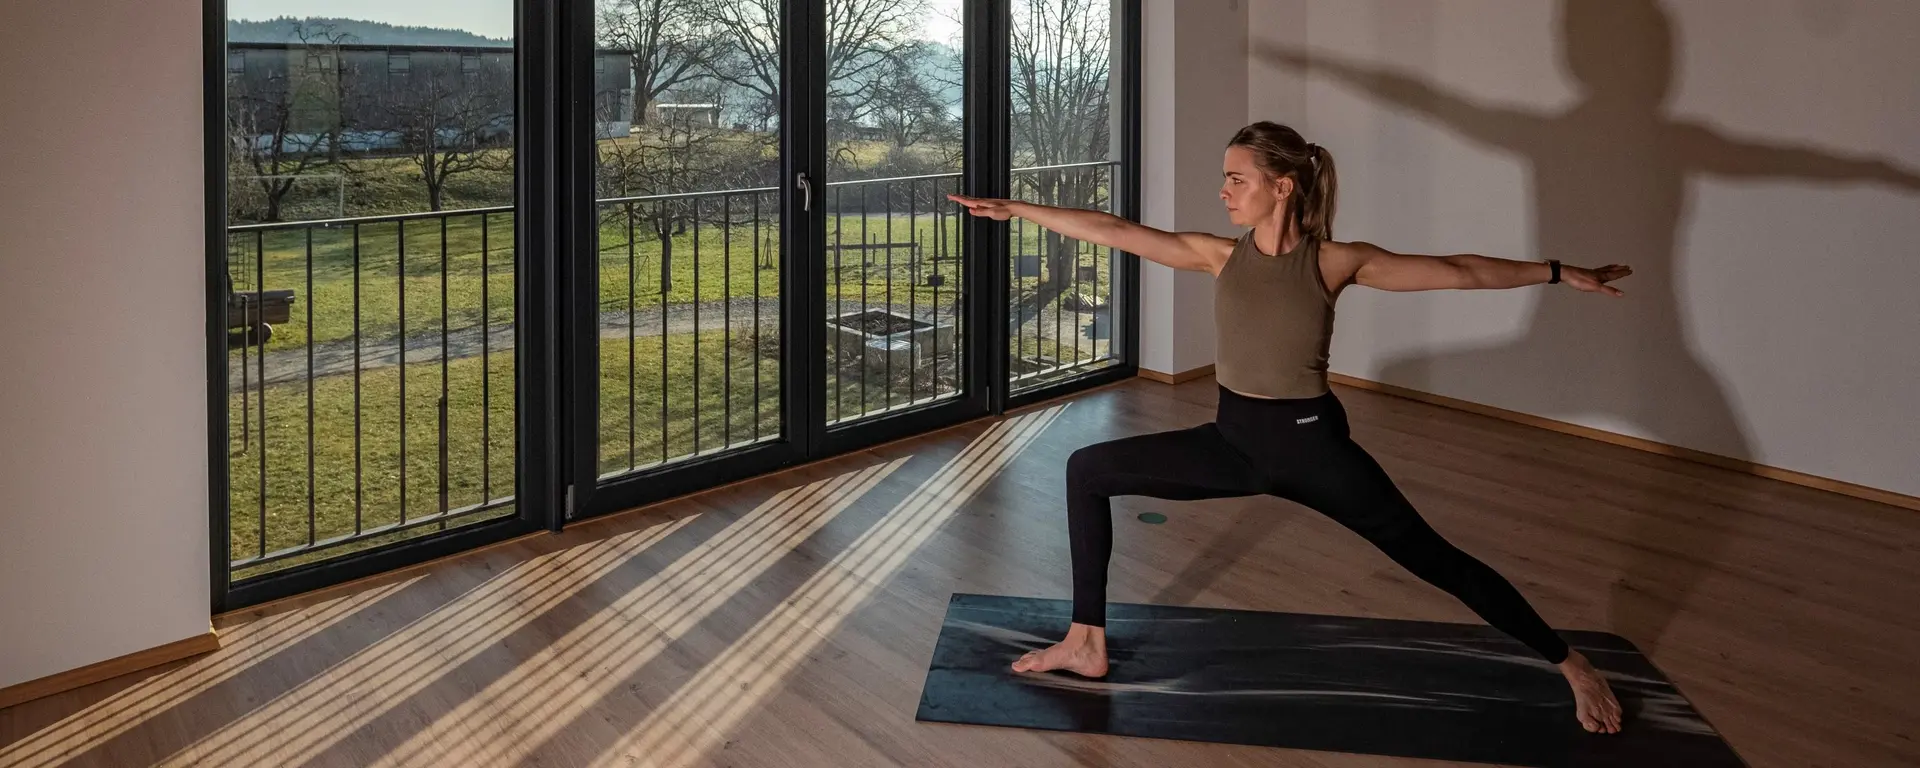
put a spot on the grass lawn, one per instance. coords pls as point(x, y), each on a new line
point(384, 269)
point(476, 275)
point(719, 407)
point(475, 271)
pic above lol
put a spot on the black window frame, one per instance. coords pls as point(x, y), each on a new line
point(555, 63)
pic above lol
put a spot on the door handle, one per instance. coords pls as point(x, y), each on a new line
point(806, 191)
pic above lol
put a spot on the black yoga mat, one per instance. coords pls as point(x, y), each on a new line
point(1331, 683)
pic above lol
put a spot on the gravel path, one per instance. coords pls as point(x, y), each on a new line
point(334, 358)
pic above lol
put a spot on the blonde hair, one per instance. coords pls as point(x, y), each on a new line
point(1282, 152)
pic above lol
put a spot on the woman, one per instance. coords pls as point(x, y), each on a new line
point(1279, 429)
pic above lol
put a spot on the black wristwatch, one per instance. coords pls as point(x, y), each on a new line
point(1554, 264)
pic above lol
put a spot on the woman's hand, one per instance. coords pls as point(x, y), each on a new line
point(992, 208)
point(1595, 280)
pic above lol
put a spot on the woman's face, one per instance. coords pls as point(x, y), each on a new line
point(1251, 196)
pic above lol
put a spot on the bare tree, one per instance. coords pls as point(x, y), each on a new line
point(449, 119)
point(282, 124)
point(910, 109)
point(751, 58)
point(907, 109)
point(672, 156)
point(861, 34)
point(1060, 80)
point(668, 42)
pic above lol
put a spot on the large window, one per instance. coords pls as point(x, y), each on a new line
point(492, 267)
point(371, 263)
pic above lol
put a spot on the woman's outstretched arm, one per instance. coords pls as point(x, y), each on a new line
point(1196, 251)
point(1375, 267)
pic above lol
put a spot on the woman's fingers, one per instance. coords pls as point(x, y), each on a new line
point(1593, 281)
point(976, 202)
point(994, 209)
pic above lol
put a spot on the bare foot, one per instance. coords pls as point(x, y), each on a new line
point(1593, 701)
point(1083, 652)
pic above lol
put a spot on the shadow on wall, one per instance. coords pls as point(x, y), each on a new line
point(1610, 176)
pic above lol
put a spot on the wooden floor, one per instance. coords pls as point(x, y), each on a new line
point(788, 621)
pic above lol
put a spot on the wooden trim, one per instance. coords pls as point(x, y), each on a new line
point(1177, 378)
point(106, 670)
point(1774, 473)
point(354, 586)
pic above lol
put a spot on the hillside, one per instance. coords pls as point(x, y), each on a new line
point(287, 30)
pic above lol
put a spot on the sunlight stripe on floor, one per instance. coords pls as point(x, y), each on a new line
point(705, 710)
point(537, 699)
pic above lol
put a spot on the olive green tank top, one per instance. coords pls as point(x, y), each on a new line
point(1273, 317)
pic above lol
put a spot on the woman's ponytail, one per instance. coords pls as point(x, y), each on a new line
point(1322, 194)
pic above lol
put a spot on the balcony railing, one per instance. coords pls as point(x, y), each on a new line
point(372, 362)
point(399, 326)
point(1061, 296)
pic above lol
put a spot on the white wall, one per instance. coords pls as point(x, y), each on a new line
point(1194, 96)
point(103, 399)
point(1772, 316)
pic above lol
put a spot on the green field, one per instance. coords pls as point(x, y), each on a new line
point(356, 465)
point(345, 278)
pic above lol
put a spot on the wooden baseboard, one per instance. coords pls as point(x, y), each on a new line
point(1738, 465)
point(1177, 378)
point(109, 669)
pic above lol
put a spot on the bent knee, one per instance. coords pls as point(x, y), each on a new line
point(1087, 466)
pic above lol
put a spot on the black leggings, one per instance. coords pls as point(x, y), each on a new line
point(1298, 450)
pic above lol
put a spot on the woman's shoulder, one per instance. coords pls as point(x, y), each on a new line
point(1237, 243)
point(1341, 260)
point(1227, 249)
point(1338, 251)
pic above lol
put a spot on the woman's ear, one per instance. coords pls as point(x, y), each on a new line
point(1283, 187)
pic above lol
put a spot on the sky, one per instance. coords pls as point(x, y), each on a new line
point(492, 18)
